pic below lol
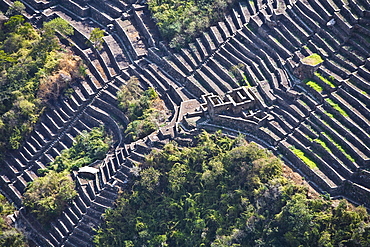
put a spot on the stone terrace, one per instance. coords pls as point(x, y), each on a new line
point(259, 45)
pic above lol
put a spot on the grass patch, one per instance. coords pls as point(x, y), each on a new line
point(340, 148)
point(246, 82)
point(327, 81)
point(323, 144)
point(313, 59)
point(300, 154)
point(336, 107)
point(314, 85)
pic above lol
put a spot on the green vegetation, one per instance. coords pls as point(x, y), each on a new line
point(16, 9)
point(58, 25)
point(323, 144)
point(89, 147)
point(224, 192)
point(336, 107)
point(327, 81)
point(180, 21)
point(238, 71)
point(31, 63)
point(314, 85)
point(144, 109)
point(47, 196)
point(9, 236)
point(96, 38)
point(340, 148)
point(313, 59)
point(300, 154)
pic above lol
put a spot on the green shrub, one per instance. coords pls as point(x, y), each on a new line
point(9, 236)
point(180, 21)
point(223, 192)
point(89, 147)
point(47, 196)
point(144, 109)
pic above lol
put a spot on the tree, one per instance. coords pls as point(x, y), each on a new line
point(89, 146)
point(96, 38)
point(58, 25)
point(16, 9)
point(9, 236)
point(47, 196)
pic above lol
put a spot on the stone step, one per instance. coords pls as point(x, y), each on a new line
point(92, 213)
point(74, 219)
point(80, 126)
point(330, 159)
point(207, 83)
point(330, 6)
point(220, 82)
point(74, 101)
point(339, 138)
point(244, 12)
point(105, 202)
point(173, 69)
point(222, 72)
point(295, 38)
point(207, 41)
point(306, 17)
point(216, 36)
point(55, 233)
point(20, 184)
point(317, 6)
point(360, 82)
point(353, 52)
point(112, 109)
point(289, 24)
point(146, 26)
point(98, 207)
point(101, 14)
point(76, 241)
point(201, 48)
point(19, 161)
point(283, 39)
point(78, 207)
point(131, 37)
point(116, 53)
point(110, 93)
point(91, 117)
point(230, 24)
point(326, 170)
point(236, 17)
point(27, 152)
point(356, 122)
point(87, 224)
point(281, 120)
point(82, 235)
point(356, 95)
point(188, 57)
point(277, 130)
point(137, 157)
point(223, 30)
point(35, 143)
point(67, 243)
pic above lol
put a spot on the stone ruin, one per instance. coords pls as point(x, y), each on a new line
point(266, 40)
